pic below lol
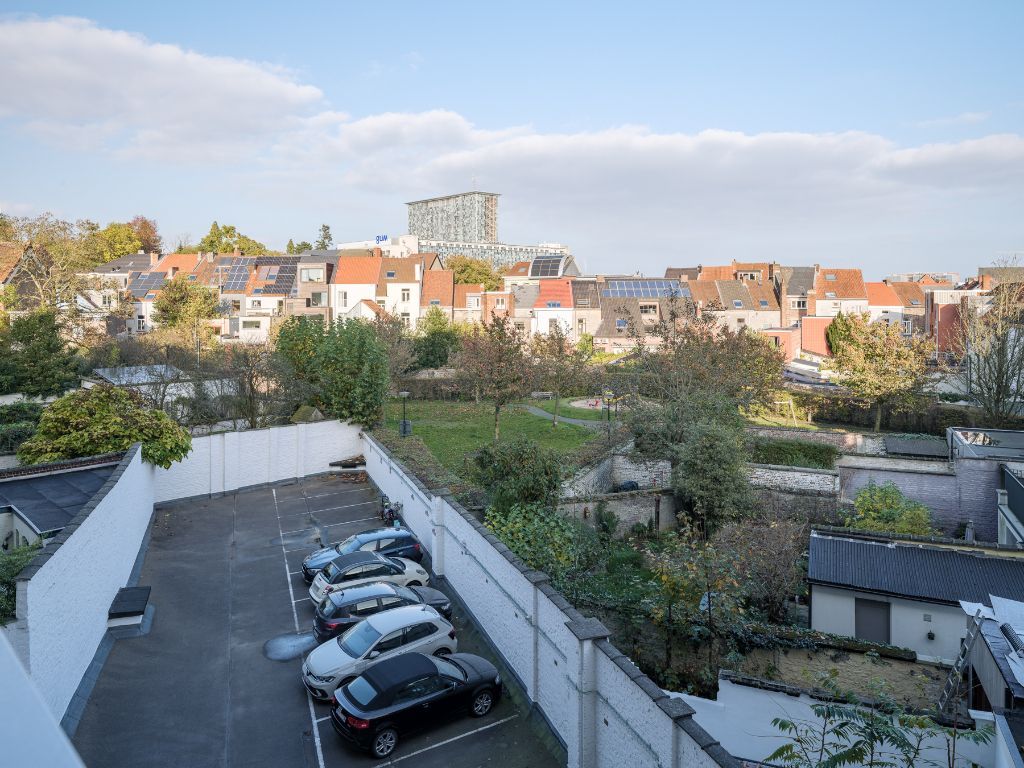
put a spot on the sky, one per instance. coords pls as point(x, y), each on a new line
point(887, 136)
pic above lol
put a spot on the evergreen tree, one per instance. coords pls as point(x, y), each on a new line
point(290, 248)
point(325, 240)
point(34, 358)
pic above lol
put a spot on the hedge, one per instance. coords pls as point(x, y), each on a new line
point(14, 413)
point(793, 453)
point(13, 435)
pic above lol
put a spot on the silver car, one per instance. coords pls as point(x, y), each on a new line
point(376, 639)
point(365, 567)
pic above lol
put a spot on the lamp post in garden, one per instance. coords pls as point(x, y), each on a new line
point(405, 427)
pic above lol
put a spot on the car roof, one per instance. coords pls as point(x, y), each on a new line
point(383, 533)
point(399, 670)
point(357, 558)
point(362, 592)
point(397, 618)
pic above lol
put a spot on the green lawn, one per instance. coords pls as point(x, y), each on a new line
point(564, 409)
point(454, 430)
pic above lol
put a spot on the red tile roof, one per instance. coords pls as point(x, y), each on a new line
point(557, 291)
point(519, 269)
point(910, 294)
point(845, 284)
point(717, 273)
point(10, 255)
point(882, 295)
point(357, 270)
point(462, 290)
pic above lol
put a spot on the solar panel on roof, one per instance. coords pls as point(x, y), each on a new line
point(546, 267)
point(644, 289)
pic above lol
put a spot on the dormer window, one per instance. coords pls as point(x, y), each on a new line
point(435, 302)
point(830, 294)
point(737, 304)
point(391, 274)
point(554, 304)
point(915, 302)
point(830, 277)
point(764, 303)
point(620, 324)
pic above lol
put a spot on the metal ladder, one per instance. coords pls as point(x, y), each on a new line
point(950, 690)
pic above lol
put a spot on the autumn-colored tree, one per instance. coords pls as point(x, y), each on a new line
point(117, 240)
point(185, 306)
point(559, 365)
point(493, 363)
point(470, 271)
point(879, 365)
point(227, 239)
point(147, 233)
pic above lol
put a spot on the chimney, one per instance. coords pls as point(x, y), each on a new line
point(812, 300)
point(209, 257)
point(785, 311)
point(154, 257)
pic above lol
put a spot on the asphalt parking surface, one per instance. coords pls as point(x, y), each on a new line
point(199, 689)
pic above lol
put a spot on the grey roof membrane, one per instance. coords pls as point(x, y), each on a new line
point(49, 502)
point(934, 574)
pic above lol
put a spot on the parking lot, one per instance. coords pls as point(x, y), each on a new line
point(217, 679)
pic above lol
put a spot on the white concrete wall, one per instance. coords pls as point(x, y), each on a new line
point(575, 682)
point(741, 719)
point(232, 460)
point(62, 609)
point(833, 610)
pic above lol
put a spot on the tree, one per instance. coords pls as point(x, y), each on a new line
point(839, 332)
point(227, 239)
point(884, 508)
point(105, 419)
point(302, 246)
point(470, 270)
point(264, 392)
point(118, 240)
point(147, 233)
point(34, 358)
point(767, 554)
point(991, 346)
point(325, 240)
point(12, 563)
point(493, 363)
point(560, 366)
point(397, 344)
point(518, 472)
point(878, 365)
point(290, 248)
point(299, 340)
point(436, 339)
point(185, 306)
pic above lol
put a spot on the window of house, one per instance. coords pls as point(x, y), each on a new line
point(908, 327)
point(236, 305)
point(405, 294)
point(830, 294)
point(915, 302)
point(648, 309)
point(521, 327)
point(830, 277)
point(251, 325)
point(740, 321)
point(554, 304)
point(256, 303)
point(500, 302)
point(763, 303)
point(435, 302)
point(313, 275)
point(390, 274)
point(317, 299)
point(474, 303)
point(620, 324)
point(106, 299)
point(344, 298)
point(737, 304)
point(581, 326)
point(405, 320)
point(140, 323)
point(583, 303)
point(798, 303)
point(552, 325)
point(380, 302)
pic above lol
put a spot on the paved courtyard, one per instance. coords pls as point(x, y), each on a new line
point(203, 688)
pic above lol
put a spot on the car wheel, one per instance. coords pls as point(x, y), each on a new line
point(414, 584)
point(482, 703)
point(442, 652)
point(384, 742)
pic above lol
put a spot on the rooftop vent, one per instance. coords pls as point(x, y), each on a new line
point(1012, 637)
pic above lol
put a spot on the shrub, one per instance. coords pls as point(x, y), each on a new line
point(624, 560)
point(884, 508)
point(544, 539)
point(11, 564)
point(793, 453)
point(518, 472)
point(13, 435)
point(14, 413)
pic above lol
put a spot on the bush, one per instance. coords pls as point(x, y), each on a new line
point(793, 453)
point(624, 560)
point(13, 435)
point(14, 413)
point(884, 508)
point(11, 564)
point(518, 472)
point(545, 540)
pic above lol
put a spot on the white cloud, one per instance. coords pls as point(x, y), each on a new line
point(76, 84)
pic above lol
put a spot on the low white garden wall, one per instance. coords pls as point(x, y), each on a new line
point(605, 711)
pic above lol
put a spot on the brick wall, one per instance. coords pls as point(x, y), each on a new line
point(630, 507)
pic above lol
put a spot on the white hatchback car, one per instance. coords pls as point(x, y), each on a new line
point(376, 638)
point(365, 567)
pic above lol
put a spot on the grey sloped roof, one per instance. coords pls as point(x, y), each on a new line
point(586, 289)
point(920, 572)
point(799, 280)
point(526, 295)
point(735, 290)
point(49, 501)
point(678, 273)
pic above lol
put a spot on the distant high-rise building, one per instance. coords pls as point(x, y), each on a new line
point(469, 217)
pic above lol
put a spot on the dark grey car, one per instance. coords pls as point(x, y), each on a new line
point(340, 610)
point(390, 542)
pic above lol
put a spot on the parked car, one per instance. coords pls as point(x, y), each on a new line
point(411, 692)
point(380, 637)
point(340, 609)
point(362, 568)
point(392, 542)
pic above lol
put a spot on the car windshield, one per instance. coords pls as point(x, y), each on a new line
point(407, 594)
point(331, 611)
point(449, 668)
point(345, 546)
point(361, 692)
point(397, 562)
point(358, 640)
point(331, 572)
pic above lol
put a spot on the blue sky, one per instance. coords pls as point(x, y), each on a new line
point(881, 135)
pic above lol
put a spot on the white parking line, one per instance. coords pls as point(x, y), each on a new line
point(394, 760)
point(295, 616)
point(331, 525)
point(327, 509)
point(321, 719)
point(300, 600)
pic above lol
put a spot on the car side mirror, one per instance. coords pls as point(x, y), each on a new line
point(373, 654)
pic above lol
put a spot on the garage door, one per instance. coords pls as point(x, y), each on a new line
point(872, 620)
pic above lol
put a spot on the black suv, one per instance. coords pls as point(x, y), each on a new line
point(390, 542)
point(340, 610)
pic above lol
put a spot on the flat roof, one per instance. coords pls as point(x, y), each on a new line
point(49, 500)
point(452, 197)
point(989, 443)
